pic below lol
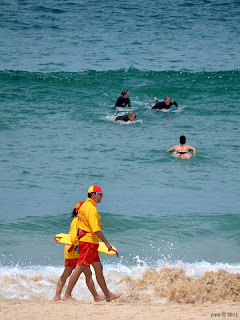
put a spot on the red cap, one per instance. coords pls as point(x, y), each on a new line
point(94, 189)
point(79, 204)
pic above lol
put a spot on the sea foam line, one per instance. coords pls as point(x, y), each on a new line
point(165, 283)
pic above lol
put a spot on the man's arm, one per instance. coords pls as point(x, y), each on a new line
point(101, 236)
point(175, 103)
point(154, 101)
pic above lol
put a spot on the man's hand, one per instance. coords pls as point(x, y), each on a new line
point(108, 245)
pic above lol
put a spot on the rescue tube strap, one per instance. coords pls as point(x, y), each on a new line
point(71, 248)
point(81, 233)
point(55, 238)
point(116, 252)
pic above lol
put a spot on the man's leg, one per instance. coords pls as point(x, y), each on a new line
point(91, 286)
point(102, 283)
point(72, 281)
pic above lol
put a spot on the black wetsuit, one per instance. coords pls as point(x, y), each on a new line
point(162, 105)
point(123, 118)
point(121, 102)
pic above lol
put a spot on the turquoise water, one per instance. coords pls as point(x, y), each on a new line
point(101, 35)
point(63, 66)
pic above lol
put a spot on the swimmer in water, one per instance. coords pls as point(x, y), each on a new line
point(123, 101)
point(182, 149)
point(166, 104)
point(125, 118)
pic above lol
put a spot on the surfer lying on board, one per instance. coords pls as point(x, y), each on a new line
point(166, 104)
point(123, 101)
point(71, 259)
point(125, 118)
point(182, 149)
point(89, 223)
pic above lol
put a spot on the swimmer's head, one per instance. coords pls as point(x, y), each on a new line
point(132, 116)
point(167, 100)
point(125, 93)
point(182, 140)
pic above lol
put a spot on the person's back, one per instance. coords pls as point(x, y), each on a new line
point(89, 221)
point(122, 118)
point(72, 254)
point(182, 149)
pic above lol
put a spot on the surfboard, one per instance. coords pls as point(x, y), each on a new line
point(168, 110)
point(63, 238)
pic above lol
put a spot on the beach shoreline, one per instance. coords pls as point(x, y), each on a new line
point(43, 309)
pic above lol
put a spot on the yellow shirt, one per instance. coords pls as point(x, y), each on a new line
point(73, 254)
point(89, 221)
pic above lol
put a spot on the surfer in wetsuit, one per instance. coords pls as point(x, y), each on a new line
point(123, 101)
point(125, 118)
point(182, 149)
point(166, 104)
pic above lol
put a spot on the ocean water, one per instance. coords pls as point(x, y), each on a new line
point(174, 222)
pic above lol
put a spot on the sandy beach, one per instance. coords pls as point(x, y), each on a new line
point(31, 309)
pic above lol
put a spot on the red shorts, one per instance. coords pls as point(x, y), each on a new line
point(71, 263)
point(88, 253)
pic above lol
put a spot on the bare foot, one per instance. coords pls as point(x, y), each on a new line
point(68, 298)
point(57, 298)
point(99, 298)
point(113, 296)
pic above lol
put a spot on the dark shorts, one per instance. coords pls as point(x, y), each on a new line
point(88, 253)
point(71, 263)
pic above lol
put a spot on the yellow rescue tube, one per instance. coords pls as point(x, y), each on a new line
point(63, 238)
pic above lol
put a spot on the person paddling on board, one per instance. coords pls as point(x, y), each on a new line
point(89, 224)
point(71, 259)
point(166, 104)
point(182, 149)
point(125, 118)
point(123, 101)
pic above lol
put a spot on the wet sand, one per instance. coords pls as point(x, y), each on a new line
point(60, 310)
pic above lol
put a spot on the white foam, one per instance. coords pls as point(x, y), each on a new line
point(39, 282)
